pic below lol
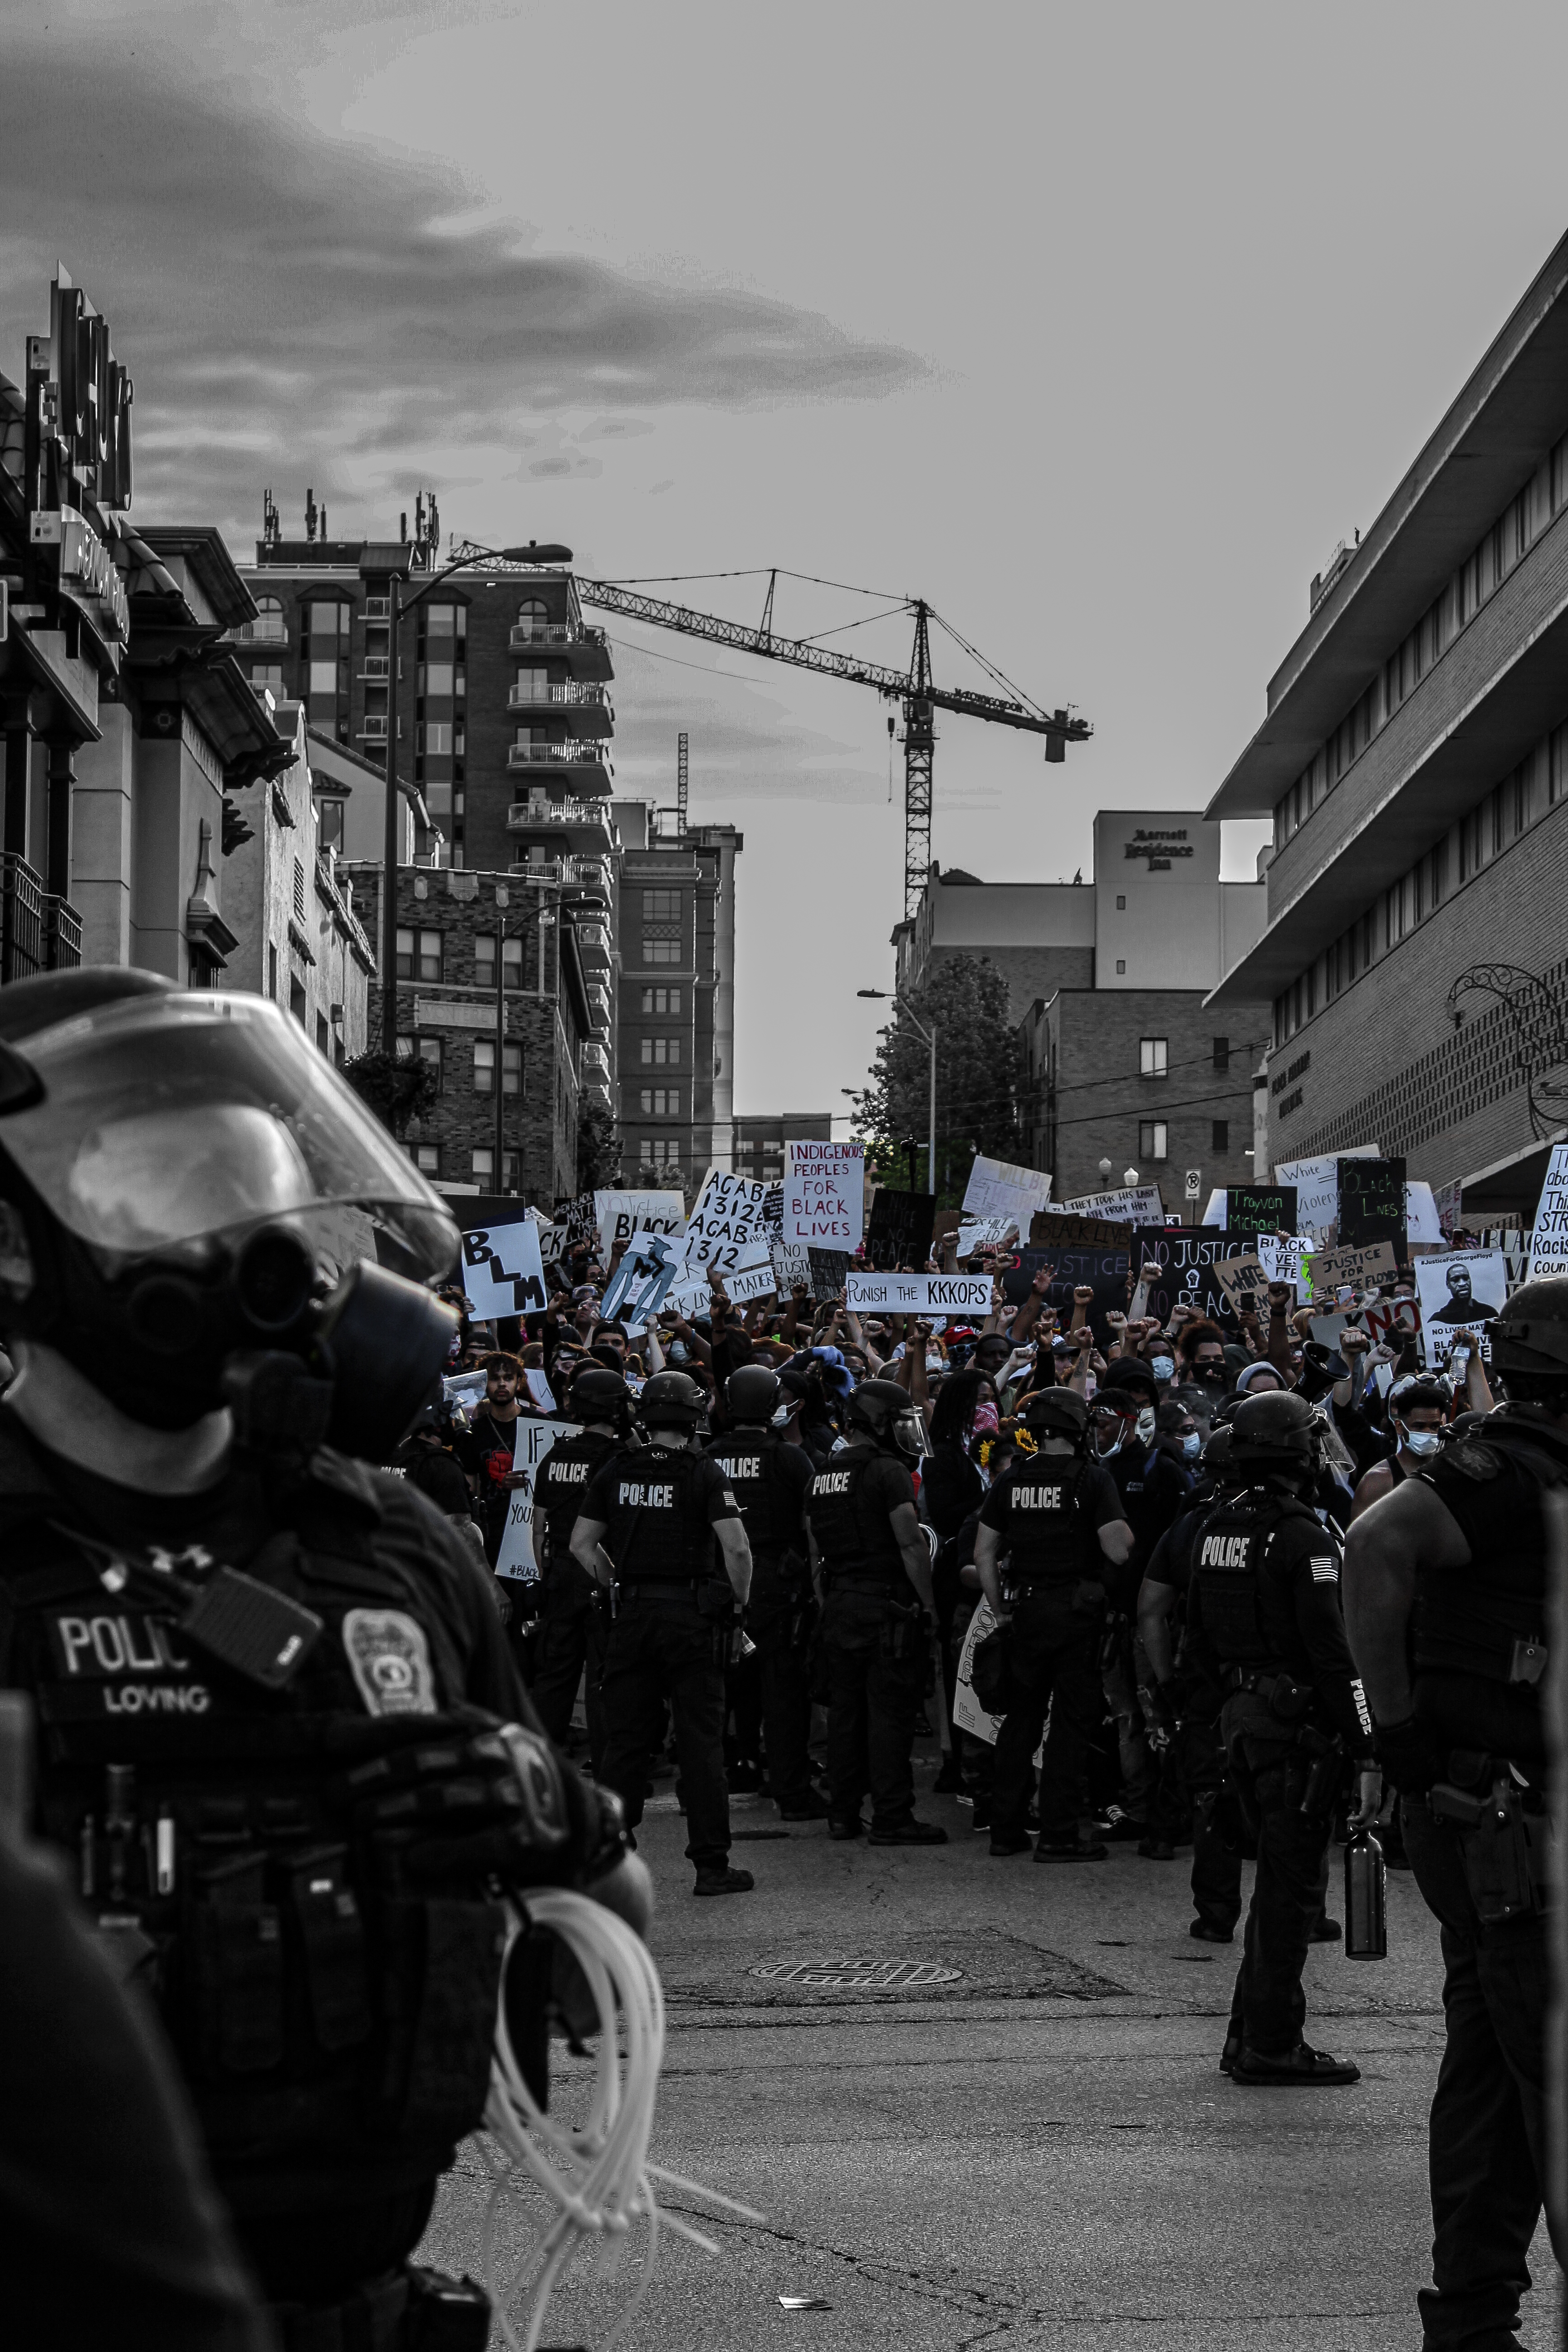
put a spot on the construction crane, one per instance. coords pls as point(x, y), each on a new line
point(914, 688)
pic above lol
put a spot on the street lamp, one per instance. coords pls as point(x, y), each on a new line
point(466, 557)
point(930, 1035)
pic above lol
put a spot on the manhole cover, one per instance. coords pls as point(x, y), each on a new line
point(858, 1976)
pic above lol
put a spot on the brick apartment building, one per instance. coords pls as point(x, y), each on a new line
point(1415, 762)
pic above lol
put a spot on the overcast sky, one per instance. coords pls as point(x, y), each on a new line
point(1095, 326)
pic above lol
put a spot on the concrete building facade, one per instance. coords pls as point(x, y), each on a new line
point(1413, 758)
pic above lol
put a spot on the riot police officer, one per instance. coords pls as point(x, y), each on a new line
point(1265, 1618)
point(869, 1550)
point(282, 1742)
point(1055, 1517)
point(770, 1479)
point(1447, 1598)
point(571, 1622)
point(650, 1526)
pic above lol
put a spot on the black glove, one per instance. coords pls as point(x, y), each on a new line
point(1406, 1757)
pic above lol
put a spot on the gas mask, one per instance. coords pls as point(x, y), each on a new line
point(211, 1215)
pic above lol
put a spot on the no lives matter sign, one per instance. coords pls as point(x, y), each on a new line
point(825, 1195)
point(918, 1294)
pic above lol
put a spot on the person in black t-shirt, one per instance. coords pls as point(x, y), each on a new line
point(1055, 1518)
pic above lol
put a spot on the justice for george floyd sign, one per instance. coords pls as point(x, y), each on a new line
point(918, 1294)
point(825, 1195)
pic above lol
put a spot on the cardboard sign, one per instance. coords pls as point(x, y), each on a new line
point(1372, 1202)
point(965, 1295)
point(1461, 1293)
point(727, 1227)
point(619, 1215)
point(825, 1195)
point(1317, 1183)
point(1064, 1229)
point(1136, 1204)
point(503, 1273)
point(1549, 1242)
point(641, 1282)
point(532, 1442)
point(1366, 1268)
point(998, 1189)
point(828, 1271)
point(900, 1228)
point(1245, 1284)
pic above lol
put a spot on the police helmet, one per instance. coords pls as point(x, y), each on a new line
point(1278, 1431)
point(183, 1179)
point(599, 1395)
point(1529, 1340)
point(1056, 1413)
point(1217, 1452)
point(752, 1393)
point(671, 1401)
point(888, 1413)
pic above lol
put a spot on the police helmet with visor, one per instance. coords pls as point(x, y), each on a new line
point(884, 1411)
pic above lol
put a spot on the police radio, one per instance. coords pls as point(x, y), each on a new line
point(238, 1621)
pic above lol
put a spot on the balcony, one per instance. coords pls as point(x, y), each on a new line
point(590, 761)
point(375, 665)
point(587, 650)
point(599, 1004)
point(373, 726)
point(267, 629)
point(593, 946)
point(39, 932)
point(596, 1068)
point(378, 608)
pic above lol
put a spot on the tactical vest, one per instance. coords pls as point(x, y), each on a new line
point(1226, 1564)
point(262, 1858)
point(770, 1505)
point(1472, 1620)
point(561, 1484)
point(1049, 1538)
point(659, 1529)
point(854, 1532)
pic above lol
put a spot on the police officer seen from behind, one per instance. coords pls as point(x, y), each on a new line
point(869, 1551)
point(283, 1748)
point(1447, 1597)
point(1056, 1518)
point(572, 1621)
point(1264, 1617)
point(650, 1526)
point(770, 1478)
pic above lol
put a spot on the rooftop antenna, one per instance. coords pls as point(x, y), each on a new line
point(271, 522)
point(311, 514)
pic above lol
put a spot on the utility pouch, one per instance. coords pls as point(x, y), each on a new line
point(327, 1931)
point(235, 1959)
point(439, 1987)
point(1087, 1597)
point(1494, 1846)
point(1325, 1769)
point(1288, 1700)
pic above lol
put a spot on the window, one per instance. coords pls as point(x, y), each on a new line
point(533, 685)
point(418, 954)
point(485, 960)
point(485, 1067)
point(661, 1000)
point(661, 906)
point(297, 999)
point(427, 1157)
point(428, 1049)
point(659, 1151)
point(1122, 905)
point(434, 678)
point(661, 1049)
point(1121, 965)
point(323, 1036)
point(268, 677)
point(436, 738)
point(660, 950)
point(1152, 1139)
point(325, 623)
point(533, 618)
point(323, 677)
point(484, 1167)
point(272, 973)
point(330, 823)
point(300, 888)
point(270, 626)
point(1222, 1053)
point(440, 620)
point(1219, 1135)
point(661, 1102)
point(1152, 1057)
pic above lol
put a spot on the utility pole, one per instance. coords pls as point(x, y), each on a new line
point(500, 1052)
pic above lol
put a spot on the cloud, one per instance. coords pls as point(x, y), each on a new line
point(746, 743)
point(298, 306)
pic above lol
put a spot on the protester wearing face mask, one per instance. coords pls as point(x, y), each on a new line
point(1419, 1412)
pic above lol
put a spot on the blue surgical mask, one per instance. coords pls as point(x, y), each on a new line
point(1162, 1366)
point(1193, 1444)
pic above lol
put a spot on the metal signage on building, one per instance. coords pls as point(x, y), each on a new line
point(87, 569)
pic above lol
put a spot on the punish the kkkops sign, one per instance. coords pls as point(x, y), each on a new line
point(824, 1195)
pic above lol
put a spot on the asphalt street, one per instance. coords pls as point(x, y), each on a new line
point(1020, 2137)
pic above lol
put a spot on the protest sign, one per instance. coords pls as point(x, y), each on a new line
point(1422, 1225)
point(792, 1264)
point(728, 1223)
point(756, 1280)
point(1549, 1241)
point(1365, 1268)
point(1186, 1256)
point(1064, 1227)
point(1372, 1202)
point(825, 1195)
point(534, 1440)
point(920, 1293)
point(1327, 1331)
point(1450, 1200)
point(1135, 1204)
point(986, 1232)
point(968, 1714)
point(899, 1230)
point(1390, 1322)
point(829, 1270)
point(1461, 1293)
point(619, 1215)
point(642, 1281)
point(1103, 1271)
point(1283, 1258)
point(998, 1189)
point(503, 1272)
point(1317, 1183)
point(1244, 1283)
point(1260, 1208)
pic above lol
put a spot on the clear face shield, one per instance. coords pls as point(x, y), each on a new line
point(910, 1432)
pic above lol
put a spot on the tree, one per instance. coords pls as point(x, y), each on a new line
point(598, 1148)
point(398, 1088)
point(979, 1071)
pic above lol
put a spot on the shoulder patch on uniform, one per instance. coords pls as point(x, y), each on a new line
point(1326, 1570)
point(1471, 1458)
point(390, 1659)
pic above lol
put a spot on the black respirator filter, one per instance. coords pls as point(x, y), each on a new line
point(386, 1341)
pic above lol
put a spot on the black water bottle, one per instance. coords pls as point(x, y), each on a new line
point(1366, 1890)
